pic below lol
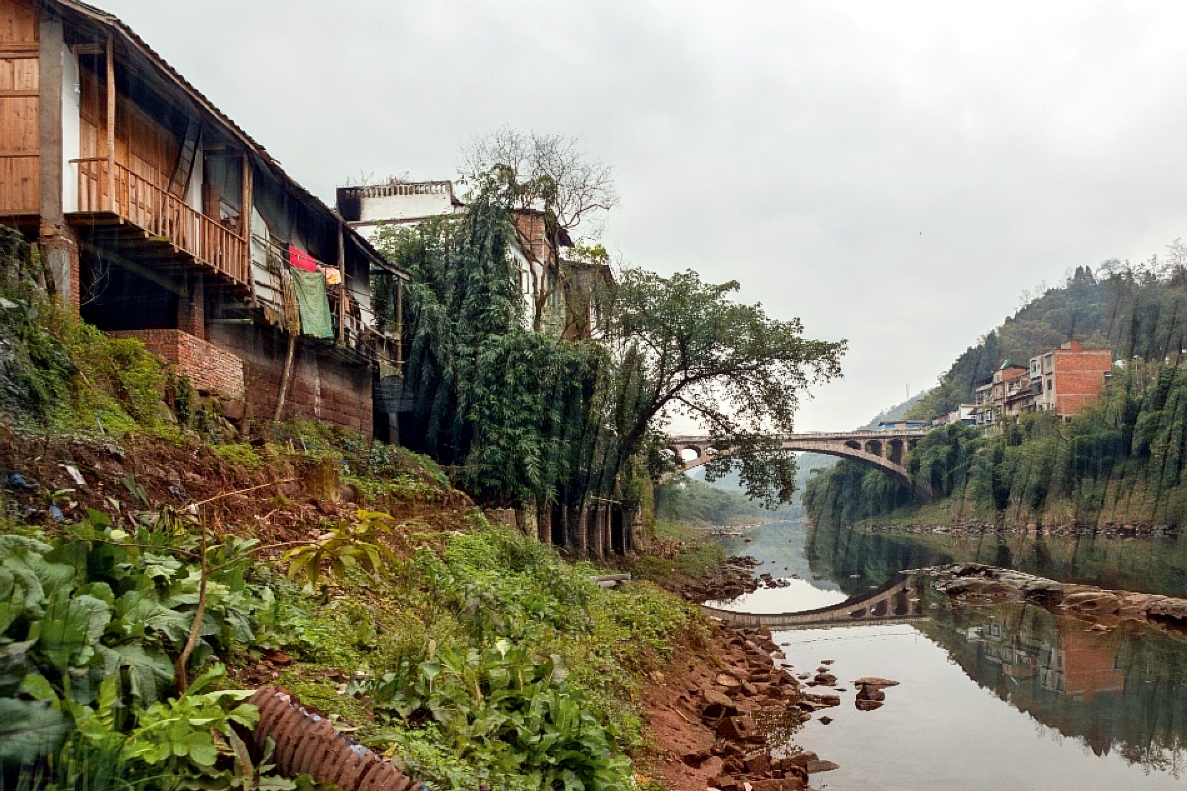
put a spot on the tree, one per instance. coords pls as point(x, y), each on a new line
point(532, 421)
point(549, 176)
point(681, 346)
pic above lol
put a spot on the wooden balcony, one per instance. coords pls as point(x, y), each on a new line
point(125, 209)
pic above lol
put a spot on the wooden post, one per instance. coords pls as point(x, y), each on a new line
point(110, 90)
point(400, 326)
point(341, 285)
point(245, 217)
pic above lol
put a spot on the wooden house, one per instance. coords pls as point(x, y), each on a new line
point(159, 218)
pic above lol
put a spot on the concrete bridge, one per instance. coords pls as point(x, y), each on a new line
point(892, 603)
point(885, 450)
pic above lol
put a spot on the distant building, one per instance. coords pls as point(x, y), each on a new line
point(556, 292)
point(999, 391)
point(1067, 379)
point(902, 424)
point(1063, 381)
point(965, 414)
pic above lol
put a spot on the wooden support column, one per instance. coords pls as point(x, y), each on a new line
point(245, 216)
point(341, 285)
point(400, 328)
point(109, 87)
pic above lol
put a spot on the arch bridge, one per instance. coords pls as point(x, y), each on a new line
point(886, 450)
point(891, 603)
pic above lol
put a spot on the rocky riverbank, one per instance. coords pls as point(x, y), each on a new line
point(1107, 529)
point(722, 717)
point(975, 583)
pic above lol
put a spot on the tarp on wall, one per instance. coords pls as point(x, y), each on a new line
point(310, 288)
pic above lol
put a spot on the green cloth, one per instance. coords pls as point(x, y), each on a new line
point(310, 288)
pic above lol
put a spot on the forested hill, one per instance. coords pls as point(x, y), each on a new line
point(1136, 310)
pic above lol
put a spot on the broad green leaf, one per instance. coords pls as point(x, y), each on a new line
point(71, 628)
point(30, 729)
point(150, 671)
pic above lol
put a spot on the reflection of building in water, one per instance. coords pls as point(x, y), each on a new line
point(1080, 664)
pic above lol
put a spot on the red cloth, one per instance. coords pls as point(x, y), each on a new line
point(302, 260)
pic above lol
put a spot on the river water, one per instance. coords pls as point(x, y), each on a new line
point(991, 697)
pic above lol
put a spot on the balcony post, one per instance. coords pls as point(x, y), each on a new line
point(110, 91)
point(245, 219)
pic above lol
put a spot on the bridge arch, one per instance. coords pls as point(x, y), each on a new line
point(885, 450)
point(891, 602)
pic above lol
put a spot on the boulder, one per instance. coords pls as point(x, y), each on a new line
point(871, 693)
point(717, 705)
point(739, 728)
point(874, 681)
point(801, 759)
point(1092, 602)
point(758, 764)
point(727, 681)
point(821, 766)
point(868, 705)
point(1174, 609)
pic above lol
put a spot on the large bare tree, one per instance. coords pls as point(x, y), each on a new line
point(551, 174)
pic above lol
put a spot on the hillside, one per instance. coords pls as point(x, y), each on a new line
point(1121, 460)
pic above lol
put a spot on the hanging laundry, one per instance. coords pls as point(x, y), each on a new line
point(302, 260)
point(310, 290)
point(333, 275)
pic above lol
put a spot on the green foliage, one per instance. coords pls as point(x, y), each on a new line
point(685, 499)
point(506, 710)
point(241, 454)
point(1121, 459)
point(347, 545)
point(60, 373)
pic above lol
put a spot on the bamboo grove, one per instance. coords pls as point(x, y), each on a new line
point(527, 419)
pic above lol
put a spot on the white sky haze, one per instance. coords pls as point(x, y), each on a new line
point(892, 173)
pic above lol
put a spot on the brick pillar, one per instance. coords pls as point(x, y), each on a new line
point(59, 251)
point(191, 309)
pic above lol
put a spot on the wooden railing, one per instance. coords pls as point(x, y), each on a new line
point(161, 214)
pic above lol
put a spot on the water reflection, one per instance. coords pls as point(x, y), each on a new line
point(856, 559)
point(1110, 708)
point(1123, 691)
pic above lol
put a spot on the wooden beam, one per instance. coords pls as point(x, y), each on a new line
point(110, 90)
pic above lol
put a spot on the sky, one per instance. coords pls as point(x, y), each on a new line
point(894, 174)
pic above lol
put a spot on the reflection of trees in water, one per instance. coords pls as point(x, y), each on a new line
point(1148, 565)
point(1123, 692)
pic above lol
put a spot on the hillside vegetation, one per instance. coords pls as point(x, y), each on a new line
point(1121, 460)
point(152, 574)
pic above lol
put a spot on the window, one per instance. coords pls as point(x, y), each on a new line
point(1050, 385)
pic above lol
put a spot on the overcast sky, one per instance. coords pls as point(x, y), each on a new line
point(892, 173)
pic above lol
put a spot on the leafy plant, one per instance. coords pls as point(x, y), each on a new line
point(514, 712)
point(347, 545)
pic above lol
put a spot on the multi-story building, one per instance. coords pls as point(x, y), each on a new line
point(161, 219)
point(1067, 379)
point(999, 393)
point(556, 291)
point(1063, 381)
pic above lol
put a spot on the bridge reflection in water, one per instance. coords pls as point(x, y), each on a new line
point(894, 602)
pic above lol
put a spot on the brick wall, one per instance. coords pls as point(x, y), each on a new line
point(1079, 377)
point(324, 387)
point(208, 367)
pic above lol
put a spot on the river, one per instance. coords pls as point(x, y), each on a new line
point(992, 697)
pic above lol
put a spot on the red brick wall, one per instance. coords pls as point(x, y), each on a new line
point(1079, 377)
point(208, 367)
point(323, 387)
